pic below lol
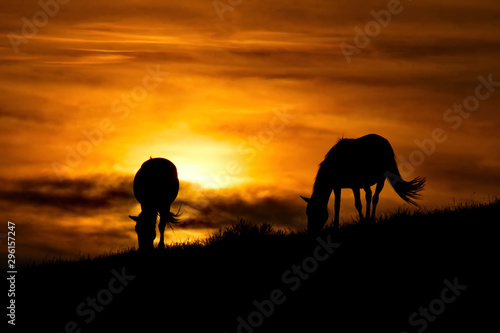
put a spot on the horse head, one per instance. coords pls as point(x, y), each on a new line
point(317, 215)
point(145, 228)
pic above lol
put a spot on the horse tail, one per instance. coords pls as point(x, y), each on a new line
point(408, 191)
point(174, 218)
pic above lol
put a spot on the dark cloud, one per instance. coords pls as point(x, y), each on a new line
point(50, 233)
point(206, 208)
point(460, 173)
point(445, 47)
point(218, 209)
point(77, 196)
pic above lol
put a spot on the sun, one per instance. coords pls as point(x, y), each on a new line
point(205, 161)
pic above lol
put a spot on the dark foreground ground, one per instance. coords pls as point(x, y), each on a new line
point(428, 272)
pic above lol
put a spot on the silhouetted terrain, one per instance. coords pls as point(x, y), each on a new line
point(373, 282)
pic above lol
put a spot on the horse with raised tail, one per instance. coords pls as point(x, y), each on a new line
point(357, 164)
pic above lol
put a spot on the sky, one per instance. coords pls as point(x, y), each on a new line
point(245, 99)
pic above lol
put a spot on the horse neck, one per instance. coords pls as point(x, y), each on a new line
point(322, 186)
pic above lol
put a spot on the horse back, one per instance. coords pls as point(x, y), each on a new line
point(359, 162)
point(156, 183)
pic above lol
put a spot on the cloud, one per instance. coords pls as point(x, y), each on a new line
point(82, 196)
point(224, 207)
point(111, 194)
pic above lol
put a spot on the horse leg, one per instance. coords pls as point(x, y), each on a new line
point(161, 228)
point(357, 202)
point(368, 197)
point(337, 191)
point(378, 189)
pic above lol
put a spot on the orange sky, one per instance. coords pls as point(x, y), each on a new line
point(246, 108)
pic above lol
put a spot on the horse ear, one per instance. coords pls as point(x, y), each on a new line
point(135, 218)
point(305, 199)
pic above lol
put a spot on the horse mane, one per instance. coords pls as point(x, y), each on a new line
point(331, 153)
point(325, 166)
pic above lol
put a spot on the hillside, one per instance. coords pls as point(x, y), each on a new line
point(252, 278)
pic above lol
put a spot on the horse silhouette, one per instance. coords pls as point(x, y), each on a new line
point(155, 187)
point(357, 164)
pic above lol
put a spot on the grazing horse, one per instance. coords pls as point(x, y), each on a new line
point(357, 164)
point(155, 187)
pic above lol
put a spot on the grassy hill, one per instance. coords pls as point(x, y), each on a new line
point(252, 278)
